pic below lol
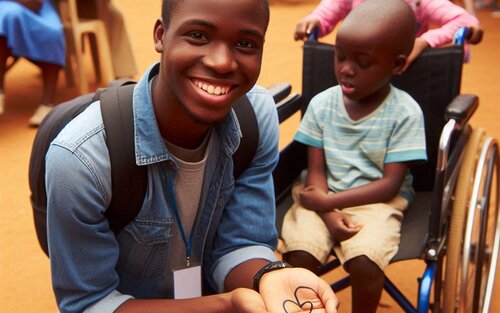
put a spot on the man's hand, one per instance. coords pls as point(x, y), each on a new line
point(297, 290)
point(246, 300)
point(340, 225)
point(305, 27)
point(314, 198)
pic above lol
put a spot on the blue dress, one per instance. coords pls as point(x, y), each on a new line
point(35, 36)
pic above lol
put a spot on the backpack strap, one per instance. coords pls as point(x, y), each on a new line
point(128, 180)
point(243, 156)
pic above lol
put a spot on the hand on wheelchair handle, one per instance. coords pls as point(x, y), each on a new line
point(474, 34)
point(306, 28)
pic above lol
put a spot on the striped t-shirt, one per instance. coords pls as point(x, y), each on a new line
point(356, 151)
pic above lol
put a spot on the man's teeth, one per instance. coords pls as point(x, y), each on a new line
point(211, 89)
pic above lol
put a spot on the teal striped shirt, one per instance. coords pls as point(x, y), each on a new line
point(356, 150)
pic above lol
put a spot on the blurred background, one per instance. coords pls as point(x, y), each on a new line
point(24, 269)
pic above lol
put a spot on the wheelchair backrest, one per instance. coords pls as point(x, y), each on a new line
point(433, 80)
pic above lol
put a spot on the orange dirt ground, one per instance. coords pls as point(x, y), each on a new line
point(24, 269)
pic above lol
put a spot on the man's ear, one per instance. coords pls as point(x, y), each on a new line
point(399, 64)
point(158, 33)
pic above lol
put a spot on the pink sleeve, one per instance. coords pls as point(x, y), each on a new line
point(447, 18)
point(330, 12)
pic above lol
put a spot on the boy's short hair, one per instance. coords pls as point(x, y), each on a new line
point(396, 17)
point(168, 7)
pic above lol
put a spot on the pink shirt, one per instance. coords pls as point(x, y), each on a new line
point(443, 14)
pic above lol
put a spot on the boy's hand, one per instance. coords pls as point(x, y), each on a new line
point(305, 27)
point(314, 198)
point(340, 225)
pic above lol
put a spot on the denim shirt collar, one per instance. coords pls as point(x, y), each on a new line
point(149, 144)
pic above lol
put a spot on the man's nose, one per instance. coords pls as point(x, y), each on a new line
point(221, 59)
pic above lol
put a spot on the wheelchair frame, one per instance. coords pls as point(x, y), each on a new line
point(457, 192)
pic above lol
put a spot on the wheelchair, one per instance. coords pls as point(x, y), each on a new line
point(452, 224)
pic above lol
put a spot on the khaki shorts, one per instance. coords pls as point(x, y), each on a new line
point(378, 239)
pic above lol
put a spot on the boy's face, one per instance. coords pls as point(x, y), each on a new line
point(364, 65)
point(211, 55)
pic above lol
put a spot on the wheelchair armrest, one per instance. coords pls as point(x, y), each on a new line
point(288, 106)
point(279, 91)
point(462, 108)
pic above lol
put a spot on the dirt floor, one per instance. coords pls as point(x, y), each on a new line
point(24, 269)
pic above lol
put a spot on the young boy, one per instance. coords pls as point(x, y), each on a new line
point(361, 136)
point(196, 222)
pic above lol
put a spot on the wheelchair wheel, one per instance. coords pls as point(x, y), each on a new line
point(457, 220)
point(486, 238)
point(473, 239)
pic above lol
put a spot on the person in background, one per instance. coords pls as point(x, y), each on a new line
point(200, 230)
point(124, 65)
point(438, 21)
point(32, 29)
point(361, 135)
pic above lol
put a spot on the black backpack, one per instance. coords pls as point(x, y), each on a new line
point(129, 181)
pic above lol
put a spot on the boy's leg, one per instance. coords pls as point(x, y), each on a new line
point(366, 254)
point(301, 258)
point(367, 283)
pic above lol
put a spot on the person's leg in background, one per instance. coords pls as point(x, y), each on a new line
point(50, 74)
point(4, 54)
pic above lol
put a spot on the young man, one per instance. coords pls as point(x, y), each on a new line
point(195, 217)
point(361, 136)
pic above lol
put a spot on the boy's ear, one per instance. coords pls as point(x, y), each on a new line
point(399, 64)
point(158, 33)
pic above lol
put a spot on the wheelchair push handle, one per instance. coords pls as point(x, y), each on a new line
point(314, 34)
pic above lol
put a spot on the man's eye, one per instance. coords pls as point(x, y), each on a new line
point(197, 35)
point(246, 44)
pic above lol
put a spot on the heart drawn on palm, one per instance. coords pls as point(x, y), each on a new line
point(293, 306)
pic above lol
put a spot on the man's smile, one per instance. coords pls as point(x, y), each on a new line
point(211, 88)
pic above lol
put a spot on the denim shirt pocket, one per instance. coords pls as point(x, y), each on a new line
point(144, 247)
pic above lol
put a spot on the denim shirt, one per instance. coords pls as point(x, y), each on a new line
point(95, 271)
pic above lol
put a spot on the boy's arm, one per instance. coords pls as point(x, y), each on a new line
point(380, 190)
point(316, 168)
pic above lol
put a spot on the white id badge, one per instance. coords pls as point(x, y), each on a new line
point(187, 282)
